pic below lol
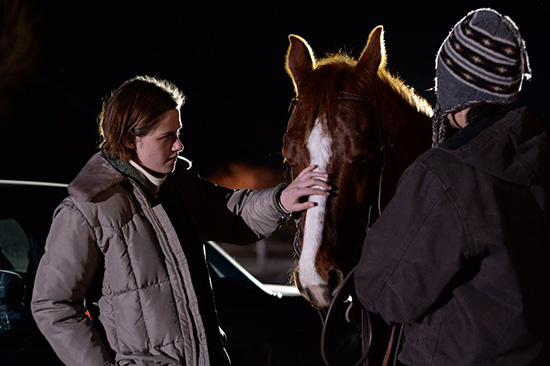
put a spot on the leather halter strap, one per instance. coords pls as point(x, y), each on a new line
point(366, 331)
point(386, 148)
point(343, 95)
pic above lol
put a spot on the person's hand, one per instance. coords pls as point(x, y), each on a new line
point(308, 182)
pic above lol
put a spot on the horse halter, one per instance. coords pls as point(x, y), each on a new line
point(386, 148)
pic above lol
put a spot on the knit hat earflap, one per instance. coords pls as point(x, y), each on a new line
point(483, 59)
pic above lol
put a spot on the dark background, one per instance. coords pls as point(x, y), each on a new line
point(58, 59)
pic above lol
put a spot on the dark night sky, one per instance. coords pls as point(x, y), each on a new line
point(228, 58)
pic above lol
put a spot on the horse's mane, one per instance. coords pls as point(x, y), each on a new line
point(407, 92)
point(335, 73)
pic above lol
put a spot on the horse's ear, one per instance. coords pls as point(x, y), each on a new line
point(299, 59)
point(374, 54)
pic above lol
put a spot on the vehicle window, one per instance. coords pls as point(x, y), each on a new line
point(13, 246)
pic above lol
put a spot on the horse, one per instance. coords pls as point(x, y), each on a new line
point(364, 126)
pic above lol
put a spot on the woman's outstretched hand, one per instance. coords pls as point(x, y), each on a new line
point(307, 183)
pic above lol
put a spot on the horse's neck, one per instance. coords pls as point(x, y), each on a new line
point(408, 130)
point(407, 123)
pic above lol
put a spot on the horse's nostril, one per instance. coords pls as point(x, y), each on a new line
point(335, 278)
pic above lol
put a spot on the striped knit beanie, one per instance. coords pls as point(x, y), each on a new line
point(482, 60)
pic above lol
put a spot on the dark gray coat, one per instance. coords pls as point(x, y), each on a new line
point(461, 253)
point(146, 257)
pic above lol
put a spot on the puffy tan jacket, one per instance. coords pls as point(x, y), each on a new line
point(146, 257)
point(460, 255)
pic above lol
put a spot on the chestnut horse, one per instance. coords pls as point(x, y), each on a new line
point(363, 126)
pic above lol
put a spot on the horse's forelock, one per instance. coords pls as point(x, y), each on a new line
point(321, 87)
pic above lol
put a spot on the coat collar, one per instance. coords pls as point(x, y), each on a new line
point(101, 173)
point(511, 148)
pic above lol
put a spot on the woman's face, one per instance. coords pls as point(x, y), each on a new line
point(157, 152)
point(459, 119)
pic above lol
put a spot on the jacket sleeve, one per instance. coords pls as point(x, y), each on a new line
point(260, 210)
point(234, 216)
point(413, 251)
point(64, 274)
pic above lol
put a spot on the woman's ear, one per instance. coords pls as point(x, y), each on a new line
point(129, 140)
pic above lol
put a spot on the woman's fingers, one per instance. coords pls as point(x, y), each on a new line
point(309, 182)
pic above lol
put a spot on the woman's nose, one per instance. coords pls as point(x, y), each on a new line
point(178, 146)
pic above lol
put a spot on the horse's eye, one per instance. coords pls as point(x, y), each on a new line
point(361, 159)
point(292, 104)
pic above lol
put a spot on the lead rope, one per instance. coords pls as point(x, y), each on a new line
point(366, 331)
point(366, 326)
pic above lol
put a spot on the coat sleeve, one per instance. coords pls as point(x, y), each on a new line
point(234, 216)
point(413, 251)
point(64, 274)
point(260, 210)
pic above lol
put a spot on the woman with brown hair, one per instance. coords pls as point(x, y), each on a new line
point(130, 236)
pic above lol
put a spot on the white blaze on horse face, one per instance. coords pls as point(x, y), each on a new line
point(319, 146)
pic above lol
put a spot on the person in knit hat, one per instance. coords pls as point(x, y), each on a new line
point(460, 255)
point(482, 61)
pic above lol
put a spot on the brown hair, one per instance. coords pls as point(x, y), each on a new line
point(134, 108)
